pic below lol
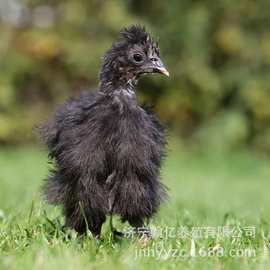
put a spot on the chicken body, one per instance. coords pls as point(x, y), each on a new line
point(108, 152)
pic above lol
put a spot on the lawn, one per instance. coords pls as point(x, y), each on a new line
point(217, 217)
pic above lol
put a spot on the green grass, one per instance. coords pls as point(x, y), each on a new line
point(207, 190)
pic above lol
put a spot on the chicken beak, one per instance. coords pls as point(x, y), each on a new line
point(164, 71)
point(159, 67)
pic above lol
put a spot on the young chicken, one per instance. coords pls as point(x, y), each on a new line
point(106, 148)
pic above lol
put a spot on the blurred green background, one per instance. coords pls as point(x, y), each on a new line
point(216, 104)
point(217, 52)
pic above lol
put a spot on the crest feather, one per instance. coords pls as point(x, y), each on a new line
point(136, 34)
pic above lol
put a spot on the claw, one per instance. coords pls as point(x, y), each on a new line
point(117, 233)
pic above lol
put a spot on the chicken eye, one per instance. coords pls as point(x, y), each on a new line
point(138, 58)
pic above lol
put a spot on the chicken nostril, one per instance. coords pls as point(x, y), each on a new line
point(154, 59)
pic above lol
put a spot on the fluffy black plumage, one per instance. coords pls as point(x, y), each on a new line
point(107, 149)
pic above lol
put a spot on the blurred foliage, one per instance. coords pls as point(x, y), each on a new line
point(218, 54)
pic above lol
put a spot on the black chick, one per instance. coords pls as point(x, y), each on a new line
point(107, 149)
